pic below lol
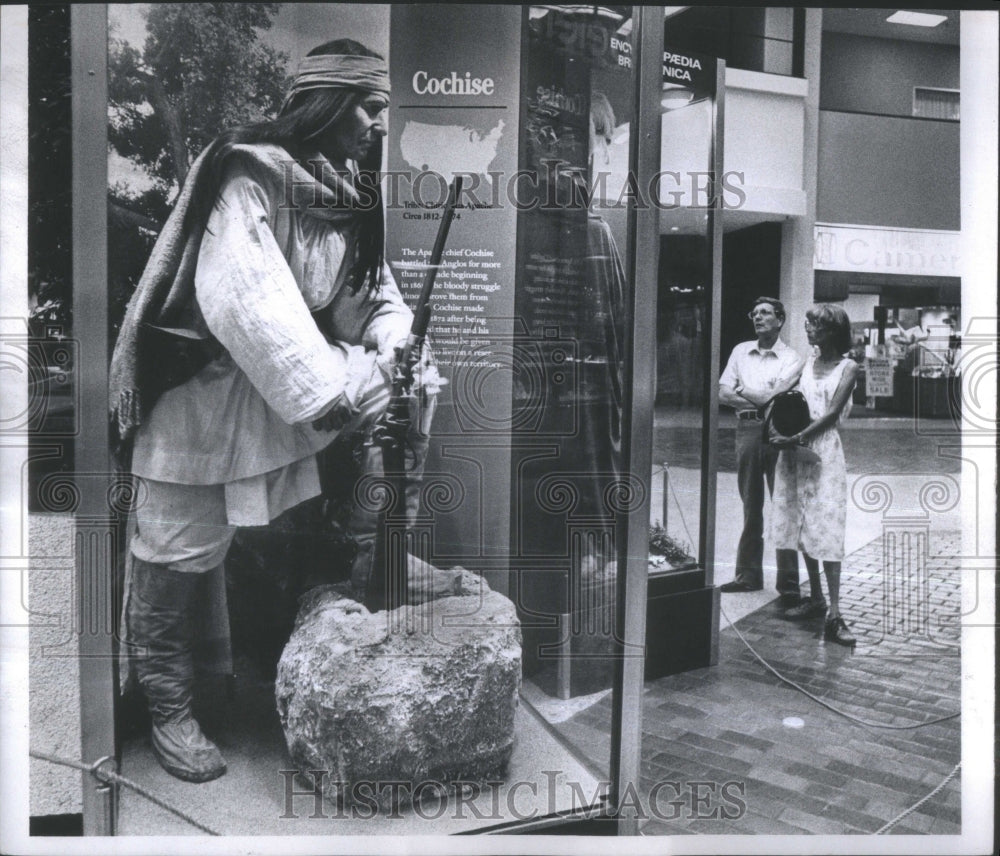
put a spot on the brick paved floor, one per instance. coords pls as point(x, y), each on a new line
point(865, 448)
point(829, 775)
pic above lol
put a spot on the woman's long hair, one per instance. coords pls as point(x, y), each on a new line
point(304, 118)
point(835, 319)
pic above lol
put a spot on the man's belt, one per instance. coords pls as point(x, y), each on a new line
point(748, 415)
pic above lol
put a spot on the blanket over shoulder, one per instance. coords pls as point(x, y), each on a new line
point(164, 340)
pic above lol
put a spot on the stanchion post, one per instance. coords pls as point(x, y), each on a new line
point(666, 496)
point(106, 818)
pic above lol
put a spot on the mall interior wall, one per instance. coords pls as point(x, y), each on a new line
point(868, 75)
point(878, 165)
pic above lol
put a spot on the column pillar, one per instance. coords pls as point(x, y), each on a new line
point(796, 289)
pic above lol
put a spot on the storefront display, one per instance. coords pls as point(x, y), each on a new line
point(913, 355)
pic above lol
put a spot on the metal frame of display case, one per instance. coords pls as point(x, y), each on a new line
point(95, 520)
point(640, 392)
point(95, 517)
point(706, 548)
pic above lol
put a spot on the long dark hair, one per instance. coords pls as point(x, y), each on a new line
point(307, 115)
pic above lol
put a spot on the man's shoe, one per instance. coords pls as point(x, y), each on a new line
point(806, 609)
point(835, 630)
point(787, 601)
point(737, 586)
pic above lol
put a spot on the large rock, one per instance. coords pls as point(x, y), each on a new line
point(422, 693)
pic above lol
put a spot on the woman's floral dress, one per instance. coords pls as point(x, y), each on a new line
point(810, 497)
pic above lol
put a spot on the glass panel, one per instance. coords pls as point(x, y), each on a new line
point(685, 286)
point(50, 352)
point(566, 474)
point(682, 610)
point(519, 494)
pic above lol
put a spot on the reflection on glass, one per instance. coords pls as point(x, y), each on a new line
point(756, 38)
point(566, 476)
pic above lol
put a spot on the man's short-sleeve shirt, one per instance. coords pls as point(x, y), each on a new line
point(759, 368)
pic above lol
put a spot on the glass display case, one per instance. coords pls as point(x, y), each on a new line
point(543, 484)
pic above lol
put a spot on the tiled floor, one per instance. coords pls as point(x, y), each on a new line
point(798, 766)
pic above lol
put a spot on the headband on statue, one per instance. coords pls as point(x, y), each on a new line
point(368, 73)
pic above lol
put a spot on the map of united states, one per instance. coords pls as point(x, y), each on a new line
point(449, 149)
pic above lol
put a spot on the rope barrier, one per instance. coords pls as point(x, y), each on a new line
point(669, 486)
point(826, 704)
point(111, 777)
point(919, 803)
point(884, 829)
point(680, 511)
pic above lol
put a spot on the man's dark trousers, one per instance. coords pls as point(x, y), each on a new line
point(755, 463)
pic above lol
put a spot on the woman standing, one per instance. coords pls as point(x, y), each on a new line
point(810, 491)
point(272, 262)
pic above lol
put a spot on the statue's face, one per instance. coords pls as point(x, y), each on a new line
point(360, 128)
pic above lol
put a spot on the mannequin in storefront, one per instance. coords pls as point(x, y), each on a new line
point(272, 265)
point(757, 371)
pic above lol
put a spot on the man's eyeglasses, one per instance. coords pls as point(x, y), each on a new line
point(813, 325)
point(760, 313)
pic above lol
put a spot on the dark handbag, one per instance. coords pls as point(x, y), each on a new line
point(787, 414)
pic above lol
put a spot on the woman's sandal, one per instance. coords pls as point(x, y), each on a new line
point(835, 630)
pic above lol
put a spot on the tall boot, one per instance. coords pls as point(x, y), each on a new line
point(160, 610)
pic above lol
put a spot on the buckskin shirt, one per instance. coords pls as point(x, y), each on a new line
point(264, 267)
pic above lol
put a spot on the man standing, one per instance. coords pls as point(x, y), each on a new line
point(756, 372)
